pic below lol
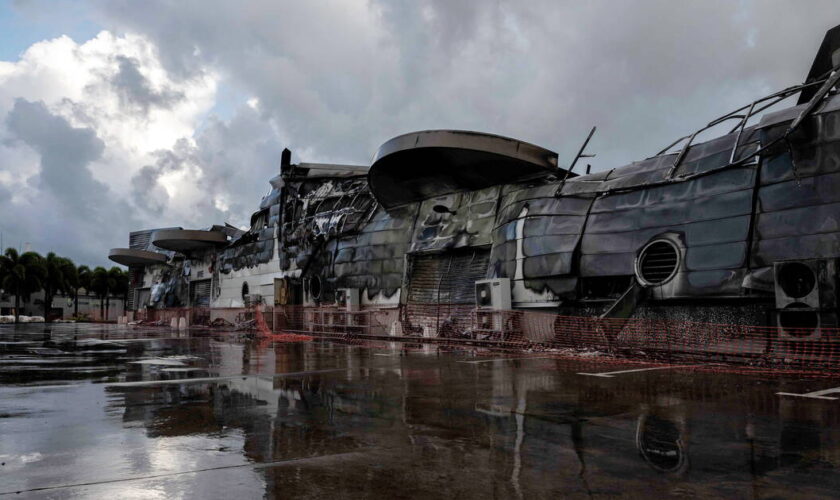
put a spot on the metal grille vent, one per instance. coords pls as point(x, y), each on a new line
point(657, 262)
point(139, 240)
point(200, 293)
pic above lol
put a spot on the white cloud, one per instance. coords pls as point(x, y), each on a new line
point(144, 168)
point(79, 82)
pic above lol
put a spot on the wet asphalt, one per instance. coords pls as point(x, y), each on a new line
point(101, 411)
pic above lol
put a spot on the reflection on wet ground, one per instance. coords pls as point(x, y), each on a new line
point(103, 411)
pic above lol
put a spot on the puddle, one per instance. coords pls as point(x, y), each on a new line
point(325, 420)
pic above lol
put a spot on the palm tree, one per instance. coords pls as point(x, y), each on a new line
point(115, 276)
point(22, 274)
point(71, 278)
point(58, 279)
point(121, 283)
point(84, 279)
point(99, 286)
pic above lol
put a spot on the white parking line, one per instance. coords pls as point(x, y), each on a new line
point(613, 374)
point(814, 395)
point(505, 359)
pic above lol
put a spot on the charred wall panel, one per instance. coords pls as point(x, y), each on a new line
point(798, 213)
point(709, 215)
point(319, 210)
point(373, 258)
point(456, 220)
point(535, 239)
point(256, 246)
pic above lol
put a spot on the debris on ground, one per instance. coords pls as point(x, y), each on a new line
point(250, 324)
point(220, 323)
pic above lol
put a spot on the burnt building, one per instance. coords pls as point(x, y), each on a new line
point(448, 231)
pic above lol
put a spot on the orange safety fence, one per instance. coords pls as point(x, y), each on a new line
point(228, 318)
point(719, 346)
point(652, 340)
point(265, 330)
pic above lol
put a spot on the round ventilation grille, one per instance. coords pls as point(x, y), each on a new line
point(658, 262)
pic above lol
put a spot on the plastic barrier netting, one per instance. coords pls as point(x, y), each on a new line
point(757, 347)
point(721, 346)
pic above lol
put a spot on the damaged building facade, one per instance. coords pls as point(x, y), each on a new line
point(449, 233)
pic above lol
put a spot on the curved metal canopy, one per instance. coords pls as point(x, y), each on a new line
point(134, 257)
point(185, 240)
point(422, 165)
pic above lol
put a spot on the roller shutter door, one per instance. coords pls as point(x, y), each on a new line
point(200, 293)
point(447, 278)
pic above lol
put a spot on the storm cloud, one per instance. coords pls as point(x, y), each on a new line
point(134, 88)
point(65, 153)
point(342, 77)
point(66, 200)
point(179, 109)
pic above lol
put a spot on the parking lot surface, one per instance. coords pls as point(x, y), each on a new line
point(118, 412)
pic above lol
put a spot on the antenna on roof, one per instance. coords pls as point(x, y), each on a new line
point(581, 154)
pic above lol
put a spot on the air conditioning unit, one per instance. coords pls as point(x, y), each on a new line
point(806, 297)
point(493, 294)
point(811, 283)
point(347, 298)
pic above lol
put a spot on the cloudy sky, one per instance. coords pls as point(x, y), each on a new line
point(117, 115)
